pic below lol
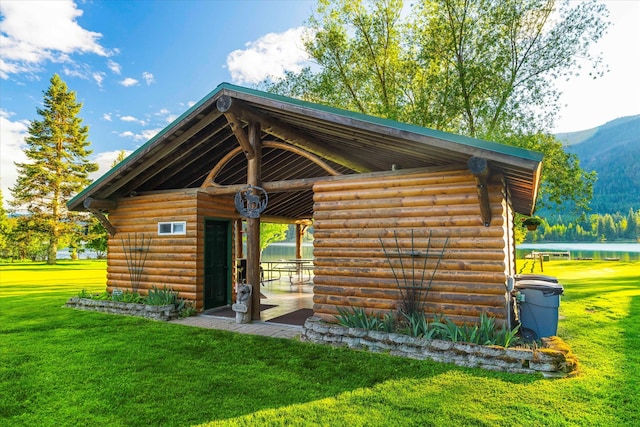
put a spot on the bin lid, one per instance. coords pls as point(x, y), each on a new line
point(547, 288)
point(520, 277)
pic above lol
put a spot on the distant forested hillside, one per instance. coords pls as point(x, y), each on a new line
point(613, 151)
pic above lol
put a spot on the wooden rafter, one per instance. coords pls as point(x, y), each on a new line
point(143, 173)
point(238, 131)
point(285, 132)
point(210, 180)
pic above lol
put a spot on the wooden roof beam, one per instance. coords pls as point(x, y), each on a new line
point(285, 132)
point(307, 183)
point(479, 167)
point(238, 131)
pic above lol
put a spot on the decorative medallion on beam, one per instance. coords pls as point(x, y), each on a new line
point(251, 201)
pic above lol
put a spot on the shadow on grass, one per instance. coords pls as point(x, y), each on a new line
point(108, 369)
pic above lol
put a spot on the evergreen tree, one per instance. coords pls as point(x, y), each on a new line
point(632, 225)
point(5, 228)
point(57, 166)
point(121, 156)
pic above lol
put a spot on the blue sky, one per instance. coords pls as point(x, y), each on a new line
point(137, 65)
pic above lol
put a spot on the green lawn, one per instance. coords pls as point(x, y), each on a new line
point(64, 367)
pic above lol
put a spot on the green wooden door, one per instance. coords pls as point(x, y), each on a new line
point(216, 263)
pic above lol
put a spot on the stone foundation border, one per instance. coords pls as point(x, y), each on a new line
point(156, 312)
point(554, 359)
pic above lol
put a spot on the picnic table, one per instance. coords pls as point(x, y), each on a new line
point(294, 268)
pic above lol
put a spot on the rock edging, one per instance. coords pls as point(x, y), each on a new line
point(555, 360)
point(156, 312)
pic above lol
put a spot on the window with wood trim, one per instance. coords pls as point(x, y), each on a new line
point(172, 228)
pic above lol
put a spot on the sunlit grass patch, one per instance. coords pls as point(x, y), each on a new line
point(65, 367)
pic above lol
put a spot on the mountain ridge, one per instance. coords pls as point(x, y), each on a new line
point(613, 151)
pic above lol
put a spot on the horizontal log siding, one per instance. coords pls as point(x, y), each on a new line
point(171, 260)
point(351, 268)
point(176, 261)
point(221, 207)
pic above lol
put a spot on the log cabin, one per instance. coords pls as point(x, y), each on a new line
point(388, 202)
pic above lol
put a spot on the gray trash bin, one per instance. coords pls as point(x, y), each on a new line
point(539, 309)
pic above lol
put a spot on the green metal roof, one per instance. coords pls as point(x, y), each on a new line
point(171, 161)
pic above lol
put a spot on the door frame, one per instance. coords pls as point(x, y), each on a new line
point(229, 258)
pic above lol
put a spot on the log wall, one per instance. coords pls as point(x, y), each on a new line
point(174, 260)
point(354, 219)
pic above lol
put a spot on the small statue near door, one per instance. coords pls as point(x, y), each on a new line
point(242, 307)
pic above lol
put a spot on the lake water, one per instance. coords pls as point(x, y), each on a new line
point(624, 251)
point(286, 250)
point(629, 252)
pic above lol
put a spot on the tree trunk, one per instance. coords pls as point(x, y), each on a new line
point(52, 250)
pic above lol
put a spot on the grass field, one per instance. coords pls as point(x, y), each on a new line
point(64, 367)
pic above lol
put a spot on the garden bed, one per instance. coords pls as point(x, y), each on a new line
point(156, 312)
point(553, 359)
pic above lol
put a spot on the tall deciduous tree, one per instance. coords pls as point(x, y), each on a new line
point(483, 68)
point(271, 232)
point(57, 165)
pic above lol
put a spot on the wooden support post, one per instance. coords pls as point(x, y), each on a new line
point(95, 205)
point(237, 235)
point(479, 168)
point(253, 224)
point(104, 221)
point(299, 237)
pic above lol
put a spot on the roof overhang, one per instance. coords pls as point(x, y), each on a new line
point(183, 154)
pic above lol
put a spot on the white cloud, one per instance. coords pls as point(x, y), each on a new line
point(269, 57)
point(148, 78)
point(34, 32)
point(143, 136)
point(132, 119)
point(104, 161)
point(107, 117)
point(76, 72)
point(129, 81)
point(147, 134)
point(12, 134)
point(166, 115)
point(114, 67)
point(98, 76)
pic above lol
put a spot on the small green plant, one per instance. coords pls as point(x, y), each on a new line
point(532, 223)
point(485, 332)
point(156, 296)
point(417, 325)
point(186, 309)
point(127, 297)
point(357, 317)
point(161, 296)
point(85, 294)
point(446, 329)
